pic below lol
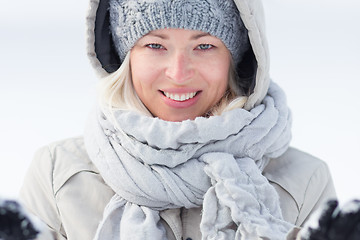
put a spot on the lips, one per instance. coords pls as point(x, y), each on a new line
point(180, 96)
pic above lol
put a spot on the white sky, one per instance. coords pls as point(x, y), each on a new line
point(47, 86)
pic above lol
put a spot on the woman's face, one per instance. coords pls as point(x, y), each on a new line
point(179, 74)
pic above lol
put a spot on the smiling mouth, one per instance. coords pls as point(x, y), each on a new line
point(180, 97)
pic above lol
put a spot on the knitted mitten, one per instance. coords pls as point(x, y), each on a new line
point(333, 222)
point(14, 222)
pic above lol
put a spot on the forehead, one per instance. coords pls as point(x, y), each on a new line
point(170, 32)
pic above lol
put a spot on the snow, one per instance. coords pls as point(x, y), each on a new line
point(350, 207)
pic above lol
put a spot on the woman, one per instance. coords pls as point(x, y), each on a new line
point(190, 139)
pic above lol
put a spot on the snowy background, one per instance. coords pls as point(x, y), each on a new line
point(47, 86)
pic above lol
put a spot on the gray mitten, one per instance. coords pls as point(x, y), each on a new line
point(333, 222)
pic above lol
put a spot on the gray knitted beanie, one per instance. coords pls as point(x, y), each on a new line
point(132, 19)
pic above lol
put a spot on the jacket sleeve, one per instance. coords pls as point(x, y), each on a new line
point(303, 183)
point(319, 190)
point(314, 198)
point(37, 194)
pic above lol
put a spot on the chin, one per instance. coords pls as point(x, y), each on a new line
point(177, 117)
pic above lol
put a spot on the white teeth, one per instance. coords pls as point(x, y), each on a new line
point(180, 97)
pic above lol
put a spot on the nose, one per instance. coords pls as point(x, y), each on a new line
point(180, 68)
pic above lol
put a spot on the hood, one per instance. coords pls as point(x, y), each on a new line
point(254, 66)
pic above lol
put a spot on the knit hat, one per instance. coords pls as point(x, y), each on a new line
point(132, 19)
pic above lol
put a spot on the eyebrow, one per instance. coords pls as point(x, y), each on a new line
point(200, 35)
point(163, 36)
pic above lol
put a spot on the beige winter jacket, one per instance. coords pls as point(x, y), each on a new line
point(64, 189)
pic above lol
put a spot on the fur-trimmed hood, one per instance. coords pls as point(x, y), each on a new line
point(255, 64)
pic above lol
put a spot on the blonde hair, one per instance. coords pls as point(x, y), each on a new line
point(117, 92)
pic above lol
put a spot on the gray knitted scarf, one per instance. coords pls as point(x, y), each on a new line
point(214, 163)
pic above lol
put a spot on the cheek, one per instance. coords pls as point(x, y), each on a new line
point(217, 73)
point(143, 73)
point(218, 76)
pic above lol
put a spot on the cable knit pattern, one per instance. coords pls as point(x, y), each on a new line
point(130, 20)
point(213, 162)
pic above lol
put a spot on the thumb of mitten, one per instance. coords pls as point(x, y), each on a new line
point(317, 227)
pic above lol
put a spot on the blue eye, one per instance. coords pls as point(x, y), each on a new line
point(205, 46)
point(155, 46)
